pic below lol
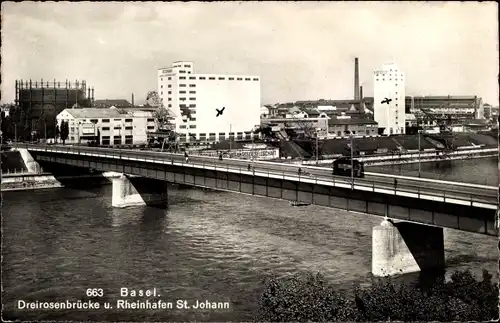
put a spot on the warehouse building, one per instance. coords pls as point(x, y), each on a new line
point(108, 127)
point(210, 107)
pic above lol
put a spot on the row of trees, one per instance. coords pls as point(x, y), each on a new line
point(18, 124)
point(312, 298)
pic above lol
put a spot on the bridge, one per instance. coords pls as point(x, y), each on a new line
point(423, 207)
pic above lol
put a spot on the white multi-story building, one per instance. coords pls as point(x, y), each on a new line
point(195, 100)
point(108, 126)
point(389, 99)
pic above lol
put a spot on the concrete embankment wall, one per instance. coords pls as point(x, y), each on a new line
point(33, 181)
point(12, 161)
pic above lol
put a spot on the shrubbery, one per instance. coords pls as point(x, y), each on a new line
point(312, 298)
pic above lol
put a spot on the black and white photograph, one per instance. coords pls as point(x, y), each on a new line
point(249, 161)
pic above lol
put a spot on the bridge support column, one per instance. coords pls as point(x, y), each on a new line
point(31, 164)
point(129, 191)
point(404, 247)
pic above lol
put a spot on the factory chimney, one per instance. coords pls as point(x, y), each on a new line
point(361, 93)
point(356, 79)
point(132, 99)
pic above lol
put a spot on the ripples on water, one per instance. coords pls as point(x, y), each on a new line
point(483, 171)
point(208, 245)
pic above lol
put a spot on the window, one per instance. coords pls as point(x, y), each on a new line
point(182, 99)
point(72, 129)
point(239, 78)
point(202, 77)
point(128, 128)
point(170, 105)
point(94, 120)
point(211, 78)
point(192, 98)
point(255, 79)
point(192, 105)
point(128, 120)
point(170, 85)
point(117, 140)
point(169, 78)
point(182, 126)
point(182, 77)
point(170, 99)
point(161, 86)
point(169, 92)
point(192, 77)
point(72, 138)
point(221, 78)
point(161, 78)
point(105, 128)
point(193, 119)
point(117, 119)
point(192, 85)
point(231, 78)
point(129, 139)
point(151, 127)
point(105, 137)
point(192, 126)
point(182, 85)
point(117, 128)
point(182, 92)
point(162, 92)
point(187, 65)
point(182, 71)
point(192, 92)
point(151, 119)
point(105, 120)
point(247, 79)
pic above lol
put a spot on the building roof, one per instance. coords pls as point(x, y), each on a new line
point(94, 113)
point(115, 102)
point(350, 121)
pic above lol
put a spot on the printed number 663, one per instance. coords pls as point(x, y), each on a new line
point(93, 292)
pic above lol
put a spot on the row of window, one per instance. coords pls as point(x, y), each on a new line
point(220, 78)
point(108, 120)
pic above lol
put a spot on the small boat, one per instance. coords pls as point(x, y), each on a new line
point(297, 203)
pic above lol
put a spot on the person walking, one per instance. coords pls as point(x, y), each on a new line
point(186, 156)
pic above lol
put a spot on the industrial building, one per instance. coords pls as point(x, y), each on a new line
point(432, 109)
point(389, 99)
point(108, 127)
point(209, 107)
point(36, 98)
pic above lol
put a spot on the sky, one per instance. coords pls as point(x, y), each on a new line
point(301, 50)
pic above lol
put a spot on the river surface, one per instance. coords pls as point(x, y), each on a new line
point(215, 246)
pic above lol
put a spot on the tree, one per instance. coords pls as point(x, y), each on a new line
point(161, 116)
point(312, 298)
point(64, 131)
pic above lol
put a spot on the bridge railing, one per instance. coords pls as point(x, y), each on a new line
point(465, 195)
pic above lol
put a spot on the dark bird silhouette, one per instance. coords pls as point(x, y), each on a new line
point(386, 100)
point(219, 112)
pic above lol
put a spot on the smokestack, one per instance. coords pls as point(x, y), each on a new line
point(361, 93)
point(132, 99)
point(356, 79)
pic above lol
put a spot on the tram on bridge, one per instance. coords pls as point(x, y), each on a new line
point(344, 167)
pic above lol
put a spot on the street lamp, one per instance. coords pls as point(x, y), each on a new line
point(419, 132)
point(352, 162)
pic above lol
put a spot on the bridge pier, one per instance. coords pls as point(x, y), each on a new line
point(129, 191)
point(31, 164)
point(405, 247)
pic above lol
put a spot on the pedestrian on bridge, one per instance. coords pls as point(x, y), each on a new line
point(300, 171)
point(395, 183)
point(186, 156)
point(220, 156)
point(249, 167)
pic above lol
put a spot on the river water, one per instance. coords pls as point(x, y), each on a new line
point(215, 246)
